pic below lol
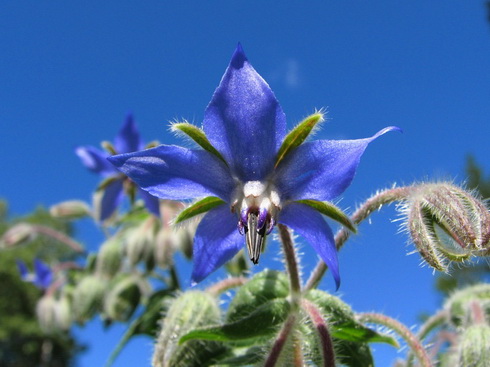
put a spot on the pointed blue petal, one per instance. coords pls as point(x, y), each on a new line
point(244, 120)
point(95, 160)
point(176, 173)
point(44, 275)
point(22, 267)
point(311, 225)
point(111, 198)
point(321, 169)
point(217, 240)
point(128, 139)
point(151, 202)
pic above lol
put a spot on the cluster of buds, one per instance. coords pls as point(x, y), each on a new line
point(447, 223)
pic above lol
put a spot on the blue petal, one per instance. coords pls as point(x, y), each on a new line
point(311, 225)
point(217, 240)
point(95, 160)
point(44, 275)
point(24, 273)
point(244, 120)
point(176, 173)
point(151, 202)
point(128, 139)
point(111, 198)
point(322, 169)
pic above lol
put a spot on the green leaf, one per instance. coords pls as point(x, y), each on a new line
point(298, 135)
point(202, 206)
point(331, 211)
point(352, 354)
point(342, 322)
point(198, 136)
point(263, 321)
point(263, 287)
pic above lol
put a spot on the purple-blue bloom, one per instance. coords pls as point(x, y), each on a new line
point(246, 125)
point(126, 141)
point(42, 276)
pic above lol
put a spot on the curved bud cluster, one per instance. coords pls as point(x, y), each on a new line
point(447, 223)
point(17, 234)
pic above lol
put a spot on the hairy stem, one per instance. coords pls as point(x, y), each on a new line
point(430, 324)
point(412, 341)
point(371, 205)
point(291, 262)
point(224, 285)
point(281, 340)
point(63, 238)
point(323, 333)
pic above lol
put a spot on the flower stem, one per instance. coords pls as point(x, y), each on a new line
point(412, 341)
point(291, 262)
point(281, 340)
point(322, 329)
point(50, 232)
point(374, 203)
point(224, 285)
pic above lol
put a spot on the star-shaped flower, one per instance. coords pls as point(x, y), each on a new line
point(42, 276)
point(260, 175)
point(126, 141)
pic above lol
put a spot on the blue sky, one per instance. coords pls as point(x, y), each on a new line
point(70, 71)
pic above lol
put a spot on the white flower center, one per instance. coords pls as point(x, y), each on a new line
point(257, 205)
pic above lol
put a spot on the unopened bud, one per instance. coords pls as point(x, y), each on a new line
point(110, 256)
point(72, 209)
point(53, 313)
point(469, 305)
point(87, 297)
point(187, 312)
point(447, 223)
point(17, 234)
point(140, 242)
point(123, 297)
point(166, 241)
point(474, 348)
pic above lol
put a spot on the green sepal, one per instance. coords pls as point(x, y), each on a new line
point(198, 136)
point(342, 322)
point(109, 147)
point(298, 135)
point(202, 206)
point(263, 321)
point(263, 287)
point(331, 211)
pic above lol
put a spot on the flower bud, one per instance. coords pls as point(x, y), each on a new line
point(460, 306)
point(72, 209)
point(140, 242)
point(166, 241)
point(110, 257)
point(474, 348)
point(53, 314)
point(447, 223)
point(87, 297)
point(188, 311)
point(18, 234)
point(123, 297)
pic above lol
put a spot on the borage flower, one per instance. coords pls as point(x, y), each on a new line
point(42, 277)
point(112, 188)
point(257, 176)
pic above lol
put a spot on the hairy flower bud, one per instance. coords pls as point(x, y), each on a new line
point(447, 223)
point(53, 314)
point(122, 297)
point(71, 209)
point(474, 348)
point(17, 234)
point(188, 311)
point(459, 305)
point(87, 297)
point(140, 242)
point(110, 257)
